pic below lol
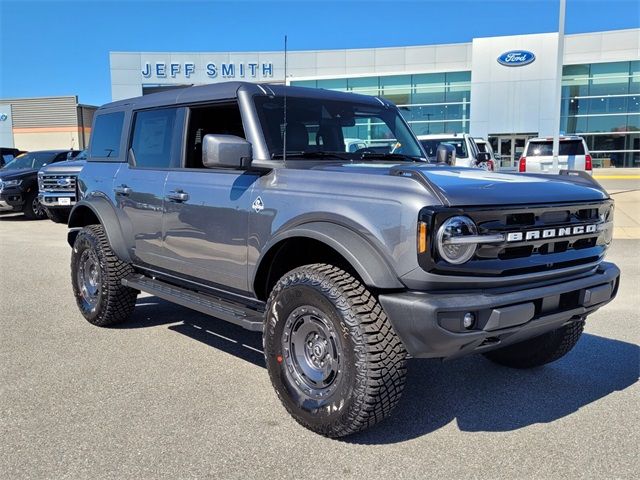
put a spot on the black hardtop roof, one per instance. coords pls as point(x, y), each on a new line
point(229, 90)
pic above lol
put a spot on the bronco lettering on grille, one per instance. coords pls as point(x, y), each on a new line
point(551, 233)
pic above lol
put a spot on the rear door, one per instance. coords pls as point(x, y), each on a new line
point(139, 184)
point(572, 154)
point(539, 156)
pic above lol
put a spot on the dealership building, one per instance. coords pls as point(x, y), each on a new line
point(45, 123)
point(500, 88)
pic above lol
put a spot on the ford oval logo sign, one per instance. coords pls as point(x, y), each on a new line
point(63, 182)
point(516, 58)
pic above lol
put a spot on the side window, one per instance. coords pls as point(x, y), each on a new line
point(215, 119)
point(105, 138)
point(152, 139)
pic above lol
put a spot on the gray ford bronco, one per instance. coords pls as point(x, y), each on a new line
point(240, 201)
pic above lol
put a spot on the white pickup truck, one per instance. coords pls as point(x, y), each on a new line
point(467, 153)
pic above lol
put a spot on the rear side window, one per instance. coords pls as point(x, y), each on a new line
point(545, 149)
point(153, 137)
point(105, 138)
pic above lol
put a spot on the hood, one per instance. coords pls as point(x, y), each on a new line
point(69, 166)
point(471, 186)
point(16, 174)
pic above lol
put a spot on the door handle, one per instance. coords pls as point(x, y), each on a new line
point(178, 196)
point(122, 190)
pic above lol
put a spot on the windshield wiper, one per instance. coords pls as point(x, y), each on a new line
point(390, 156)
point(304, 154)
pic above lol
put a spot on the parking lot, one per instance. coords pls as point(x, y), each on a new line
point(176, 394)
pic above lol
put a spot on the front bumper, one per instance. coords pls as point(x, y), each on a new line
point(430, 323)
point(11, 201)
point(57, 199)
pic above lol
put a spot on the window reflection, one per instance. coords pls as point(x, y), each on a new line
point(430, 102)
point(601, 101)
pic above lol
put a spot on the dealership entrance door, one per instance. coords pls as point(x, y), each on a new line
point(509, 147)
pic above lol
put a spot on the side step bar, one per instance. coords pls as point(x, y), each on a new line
point(201, 302)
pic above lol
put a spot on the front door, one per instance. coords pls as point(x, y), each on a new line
point(206, 223)
point(206, 215)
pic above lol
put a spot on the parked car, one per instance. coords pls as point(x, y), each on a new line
point(345, 262)
point(57, 187)
point(354, 144)
point(19, 181)
point(573, 154)
point(467, 153)
point(485, 147)
point(8, 154)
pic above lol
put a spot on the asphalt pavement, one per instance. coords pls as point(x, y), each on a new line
point(176, 394)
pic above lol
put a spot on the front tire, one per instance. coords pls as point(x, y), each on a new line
point(540, 350)
point(332, 355)
point(33, 209)
point(96, 276)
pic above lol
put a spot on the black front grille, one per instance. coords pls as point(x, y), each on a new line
point(528, 256)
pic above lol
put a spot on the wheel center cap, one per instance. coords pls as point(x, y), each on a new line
point(318, 350)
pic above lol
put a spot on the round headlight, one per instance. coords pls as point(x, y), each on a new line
point(452, 245)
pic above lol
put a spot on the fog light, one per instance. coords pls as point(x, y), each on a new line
point(468, 320)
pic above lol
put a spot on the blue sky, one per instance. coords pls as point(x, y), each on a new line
point(62, 48)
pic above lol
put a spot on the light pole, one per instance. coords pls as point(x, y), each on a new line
point(558, 99)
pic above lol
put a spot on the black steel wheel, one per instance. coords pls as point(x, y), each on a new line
point(332, 355)
point(312, 351)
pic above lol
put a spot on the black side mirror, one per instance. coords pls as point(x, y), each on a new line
point(225, 151)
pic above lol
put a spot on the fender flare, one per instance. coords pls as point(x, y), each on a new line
point(103, 210)
point(372, 266)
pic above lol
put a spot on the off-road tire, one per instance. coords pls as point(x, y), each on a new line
point(57, 215)
point(373, 358)
point(115, 302)
point(28, 210)
point(539, 351)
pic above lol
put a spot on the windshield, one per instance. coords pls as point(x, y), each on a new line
point(81, 156)
point(545, 148)
point(330, 129)
point(32, 160)
point(431, 146)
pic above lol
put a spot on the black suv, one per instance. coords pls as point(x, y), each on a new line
point(19, 181)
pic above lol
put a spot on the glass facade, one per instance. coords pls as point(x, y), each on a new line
point(430, 102)
point(601, 102)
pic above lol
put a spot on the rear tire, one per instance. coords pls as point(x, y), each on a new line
point(539, 351)
point(96, 276)
point(333, 357)
point(58, 215)
point(33, 209)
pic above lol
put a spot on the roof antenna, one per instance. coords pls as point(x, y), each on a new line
point(284, 133)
